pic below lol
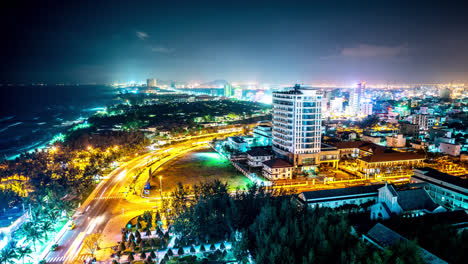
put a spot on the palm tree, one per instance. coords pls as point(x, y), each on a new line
point(37, 214)
point(33, 233)
point(53, 215)
point(8, 253)
point(46, 227)
point(24, 252)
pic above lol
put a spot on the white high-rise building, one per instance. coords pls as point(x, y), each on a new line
point(366, 109)
point(355, 98)
point(423, 121)
point(297, 121)
point(238, 93)
point(297, 131)
point(336, 105)
point(151, 83)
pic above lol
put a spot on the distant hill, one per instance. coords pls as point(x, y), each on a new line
point(215, 83)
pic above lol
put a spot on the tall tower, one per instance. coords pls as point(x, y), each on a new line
point(297, 122)
point(151, 83)
point(355, 98)
point(227, 90)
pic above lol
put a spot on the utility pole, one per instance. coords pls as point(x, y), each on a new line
point(160, 186)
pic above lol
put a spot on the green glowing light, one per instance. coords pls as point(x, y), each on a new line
point(81, 126)
point(58, 138)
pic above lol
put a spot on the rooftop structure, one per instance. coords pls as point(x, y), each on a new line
point(383, 237)
point(389, 162)
point(338, 197)
point(446, 189)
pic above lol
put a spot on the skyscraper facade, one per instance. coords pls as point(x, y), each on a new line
point(297, 122)
point(355, 98)
point(366, 109)
point(150, 83)
point(227, 90)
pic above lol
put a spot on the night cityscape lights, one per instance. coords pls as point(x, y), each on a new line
point(233, 132)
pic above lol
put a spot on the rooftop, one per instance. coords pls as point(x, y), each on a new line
point(392, 156)
point(342, 192)
point(258, 152)
point(237, 139)
point(416, 199)
point(435, 174)
point(348, 144)
point(297, 89)
point(325, 147)
point(385, 237)
point(363, 145)
point(263, 126)
point(277, 163)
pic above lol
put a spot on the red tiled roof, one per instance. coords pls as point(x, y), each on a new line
point(277, 163)
point(347, 144)
point(393, 156)
point(371, 147)
point(362, 145)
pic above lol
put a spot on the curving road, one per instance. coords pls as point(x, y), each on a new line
point(108, 200)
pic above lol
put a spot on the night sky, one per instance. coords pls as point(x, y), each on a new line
point(265, 41)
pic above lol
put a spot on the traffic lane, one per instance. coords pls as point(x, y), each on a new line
point(82, 221)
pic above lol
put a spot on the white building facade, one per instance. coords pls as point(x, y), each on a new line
point(297, 121)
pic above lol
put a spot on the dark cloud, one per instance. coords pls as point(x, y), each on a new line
point(272, 41)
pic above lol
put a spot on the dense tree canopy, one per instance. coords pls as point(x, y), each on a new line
point(272, 227)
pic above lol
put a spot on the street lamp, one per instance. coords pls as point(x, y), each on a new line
point(160, 186)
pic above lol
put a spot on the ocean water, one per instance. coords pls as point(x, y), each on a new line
point(30, 116)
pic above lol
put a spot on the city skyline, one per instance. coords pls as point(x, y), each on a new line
point(259, 131)
point(263, 42)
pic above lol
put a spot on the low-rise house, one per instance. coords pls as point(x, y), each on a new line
point(450, 149)
point(277, 169)
point(446, 189)
point(339, 197)
point(256, 157)
point(372, 139)
point(397, 141)
point(389, 162)
point(237, 144)
point(409, 129)
point(412, 202)
point(354, 149)
point(348, 149)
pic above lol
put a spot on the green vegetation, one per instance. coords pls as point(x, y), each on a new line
point(174, 115)
point(46, 218)
point(435, 234)
point(271, 227)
